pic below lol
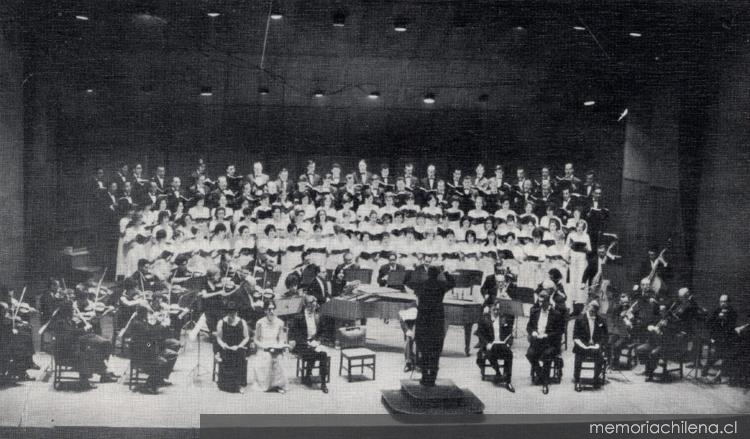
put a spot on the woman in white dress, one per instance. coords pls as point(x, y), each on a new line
point(135, 240)
point(579, 246)
point(121, 266)
point(163, 223)
point(532, 270)
point(271, 341)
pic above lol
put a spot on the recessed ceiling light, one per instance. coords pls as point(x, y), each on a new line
point(579, 28)
point(399, 24)
point(519, 28)
point(429, 98)
point(89, 90)
point(589, 103)
point(318, 93)
point(263, 90)
point(82, 18)
point(635, 34)
point(374, 95)
point(400, 28)
point(213, 14)
point(206, 91)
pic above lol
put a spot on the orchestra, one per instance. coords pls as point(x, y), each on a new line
point(221, 250)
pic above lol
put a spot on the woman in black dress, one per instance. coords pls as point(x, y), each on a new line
point(232, 336)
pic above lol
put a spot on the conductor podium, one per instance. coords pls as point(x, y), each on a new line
point(442, 398)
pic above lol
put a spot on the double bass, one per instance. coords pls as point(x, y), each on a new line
point(657, 284)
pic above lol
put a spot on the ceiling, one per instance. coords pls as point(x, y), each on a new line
point(478, 55)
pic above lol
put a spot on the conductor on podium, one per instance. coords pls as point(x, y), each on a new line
point(430, 324)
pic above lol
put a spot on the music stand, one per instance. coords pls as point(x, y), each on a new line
point(512, 307)
point(363, 275)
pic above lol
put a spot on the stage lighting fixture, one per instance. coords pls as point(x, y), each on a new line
point(206, 91)
point(429, 98)
point(589, 103)
point(339, 18)
point(374, 95)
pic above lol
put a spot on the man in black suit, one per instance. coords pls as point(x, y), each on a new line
point(363, 175)
point(391, 266)
point(499, 285)
point(589, 337)
point(545, 328)
point(430, 325)
point(598, 265)
point(304, 330)
point(312, 178)
point(657, 262)
point(495, 333)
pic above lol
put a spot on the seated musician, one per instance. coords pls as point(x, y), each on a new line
point(545, 328)
point(687, 312)
point(233, 338)
point(304, 330)
point(619, 332)
point(49, 300)
point(16, 341)
point(721, 324)
point(391, 266)
point(497, 286)
point(151, 348)
point(75, 343)
point(85, 308)
point(660, 341)
point(495, 333)
point(590, 337)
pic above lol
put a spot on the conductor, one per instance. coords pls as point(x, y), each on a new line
point(430, 323)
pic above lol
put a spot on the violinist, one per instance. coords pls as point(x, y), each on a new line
point(50, 299)
point(661, 341)
point(619, 332)
point(16, 342)
point(643, 310)
point(76, 343)
point(149, 347)
point(721, 324)
point(686, 313)
point(85, 310)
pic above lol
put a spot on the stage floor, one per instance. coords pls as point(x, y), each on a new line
point(37, 404)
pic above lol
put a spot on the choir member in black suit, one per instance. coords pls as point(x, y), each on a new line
point(590, 336)
point(304, 330)
point(364, 177)
point(160, 179)
point(545, 328)
point(430, 325)
point(495, 333)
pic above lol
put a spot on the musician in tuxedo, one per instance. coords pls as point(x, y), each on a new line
point(589, 184)
point(391, 267)
point(16, 340)
point(590, 337)
point(545, 329)
point(619, 331)
point(569, 177)
point(283, 185)
point(495, 333)
point(151, 196)
point(122, 175)
point(110, 200)
point(149, 350)
point(456, 181)
point(430, 324)
point(660, 341)
point(304, 330)
point(598, 265)
point(386, 180)
point(498, 285)
point(723, 338)
point(74, 343)
point(566, 205)
point(233, 181)
point(656, 262)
